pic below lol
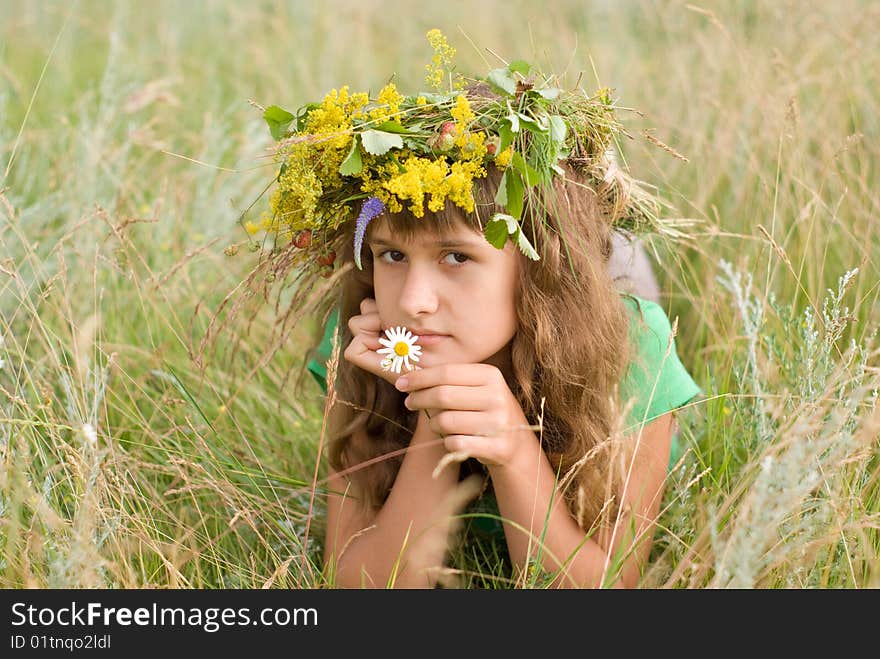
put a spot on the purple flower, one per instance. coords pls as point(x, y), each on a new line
point(372, 207)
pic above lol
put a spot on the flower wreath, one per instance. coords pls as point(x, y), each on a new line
point(353, 156)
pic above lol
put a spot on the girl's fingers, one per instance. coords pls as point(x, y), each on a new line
point(366, 347)
point(461, 444)
point(464, 375)
point(362, 351)
point(367, 328)
point(450, 397)
point(365, 323)
point(458, 422)
point(462, 447)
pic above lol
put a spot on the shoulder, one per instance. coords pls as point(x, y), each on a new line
point(648, 321)
point(656, 380)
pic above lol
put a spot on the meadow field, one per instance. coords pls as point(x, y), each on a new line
point(149, 438)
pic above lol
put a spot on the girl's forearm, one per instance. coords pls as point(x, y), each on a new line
point(524, 491)
point(410, 534)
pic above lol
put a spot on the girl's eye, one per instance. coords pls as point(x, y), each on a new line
point(391, 251)
point(455, 261)
point(396, 256)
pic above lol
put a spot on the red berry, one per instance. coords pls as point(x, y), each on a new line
point(445, 142)
point(327, 271)
point(303, 238)
point(447, 127)
point(492, 145)
point(327, 258)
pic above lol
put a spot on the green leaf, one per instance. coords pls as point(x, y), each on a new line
point(550, 93)
point(515, 191)
point(524, 245)
point(502, 80)
point(393, 127)
point(512, 224)
point(378, 142)
point(558, 129)
point(303, 113)
point(519, 66)
point(501, 194)
point(506, 135)
point(434, 97)
point(500, 227)
point(530, 175)
point(496, 230)
point(352, 164)
point(538, 125)
point(278, 120)
point(513, 120)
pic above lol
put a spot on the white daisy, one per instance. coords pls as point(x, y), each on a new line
point(400, 347)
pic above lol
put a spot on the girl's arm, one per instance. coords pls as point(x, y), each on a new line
point(405, 542)
point(525, 488)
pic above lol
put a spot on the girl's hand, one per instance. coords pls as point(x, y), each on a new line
point(366, 329)
point(473, 409)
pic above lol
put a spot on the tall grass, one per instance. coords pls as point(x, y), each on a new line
point(135, 453)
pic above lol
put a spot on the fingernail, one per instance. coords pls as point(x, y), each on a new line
point(401, 383)
point(406, 402)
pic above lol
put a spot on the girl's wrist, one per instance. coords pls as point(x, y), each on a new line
point(424, 432)
point(525, 456)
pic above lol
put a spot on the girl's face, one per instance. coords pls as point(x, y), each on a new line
point(456, 292)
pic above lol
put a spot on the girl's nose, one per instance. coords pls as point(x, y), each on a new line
point(418, 295)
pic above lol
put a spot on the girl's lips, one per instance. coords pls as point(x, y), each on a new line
point(431, 339)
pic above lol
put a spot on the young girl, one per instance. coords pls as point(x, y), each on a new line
point(539, 413)
point(493, 352)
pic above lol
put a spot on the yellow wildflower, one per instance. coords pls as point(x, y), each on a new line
point(502, 160)
point(443, 54)
point(389, 101)
point(408, 186)
point(460, 181)
point(294, 201)
point(421, 100)
point(334, 116)
point(472, 145)
point(462, 112)
point(251, 227)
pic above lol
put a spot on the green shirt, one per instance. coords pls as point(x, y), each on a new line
point(658, 385)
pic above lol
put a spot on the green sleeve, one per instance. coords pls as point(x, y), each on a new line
point(318, 364)
point(658, 382)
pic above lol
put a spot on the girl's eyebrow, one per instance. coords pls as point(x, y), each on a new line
point(379, 242)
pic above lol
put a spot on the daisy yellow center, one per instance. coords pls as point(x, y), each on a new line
point(401, 348)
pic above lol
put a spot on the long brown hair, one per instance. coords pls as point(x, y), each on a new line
point(569, 353)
